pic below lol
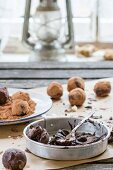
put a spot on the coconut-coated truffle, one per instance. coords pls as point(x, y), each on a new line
point(102, 88)
point(77, 97)
point(75, 82)
point(55, 90)
point(14, 159)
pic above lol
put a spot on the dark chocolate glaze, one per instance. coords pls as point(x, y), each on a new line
point(78, 138)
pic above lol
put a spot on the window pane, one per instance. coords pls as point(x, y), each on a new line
point(106, 20)
point(84, 12)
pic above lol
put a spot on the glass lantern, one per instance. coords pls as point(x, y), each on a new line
point(46, 28)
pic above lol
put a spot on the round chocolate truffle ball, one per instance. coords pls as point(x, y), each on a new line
point(102, 88)
point(3, 95)
point(77, 97)
point(55, 90)
point(75, 82)
point(20, 107)
point(38, 134)
point(21, 95)
point(14, 159)
point(34, 133)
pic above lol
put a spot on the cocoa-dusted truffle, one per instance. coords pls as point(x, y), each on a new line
point(55, 90)
point(108, 55)
point(86, 50)
point(38, 134)
point(20, 107)
point(102, 88)
point(75, 82)
point(14, 159)
point(3, 95)
point(21, 95)
point(77, 97)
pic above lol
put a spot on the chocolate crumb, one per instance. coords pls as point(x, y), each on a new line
point(111, 118)
point(103, 108)
point(89, 103)
point(88, 107)
point(14, 130)
point(97, 117)
point(92, 100)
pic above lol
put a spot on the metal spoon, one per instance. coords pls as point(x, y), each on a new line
point(76, 127)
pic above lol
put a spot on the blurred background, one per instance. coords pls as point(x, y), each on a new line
point(92, 25)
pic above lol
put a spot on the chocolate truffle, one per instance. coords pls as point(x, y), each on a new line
point(77, 97)
point(38, 134)
point(14, 159)
point(102, 88)
point(108, 55)
point(21, 95)
point(20, 107)
point(75, 82)
point(55, 90)
point(86, 50)
point(3, 95)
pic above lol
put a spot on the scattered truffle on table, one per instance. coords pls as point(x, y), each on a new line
point(75, 82)
point(77, 97)
point(3, 95)
point(14, 159)
point(102, 88)
point(86, 50)
point(108, 55)
point(55, 90)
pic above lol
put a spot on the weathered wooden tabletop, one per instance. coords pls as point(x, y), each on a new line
point(32, 75)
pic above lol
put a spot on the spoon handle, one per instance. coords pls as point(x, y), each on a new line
point(79, 124)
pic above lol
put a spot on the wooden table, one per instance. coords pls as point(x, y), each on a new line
point(32, 75)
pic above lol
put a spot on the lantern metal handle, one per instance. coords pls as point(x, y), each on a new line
point(70, 41)
point(26, 34)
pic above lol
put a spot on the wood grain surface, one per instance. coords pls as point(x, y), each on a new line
point(32, 75)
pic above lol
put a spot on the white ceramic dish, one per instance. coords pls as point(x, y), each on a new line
point(44, 103)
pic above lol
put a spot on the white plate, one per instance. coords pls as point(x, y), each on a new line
point(44, 104)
